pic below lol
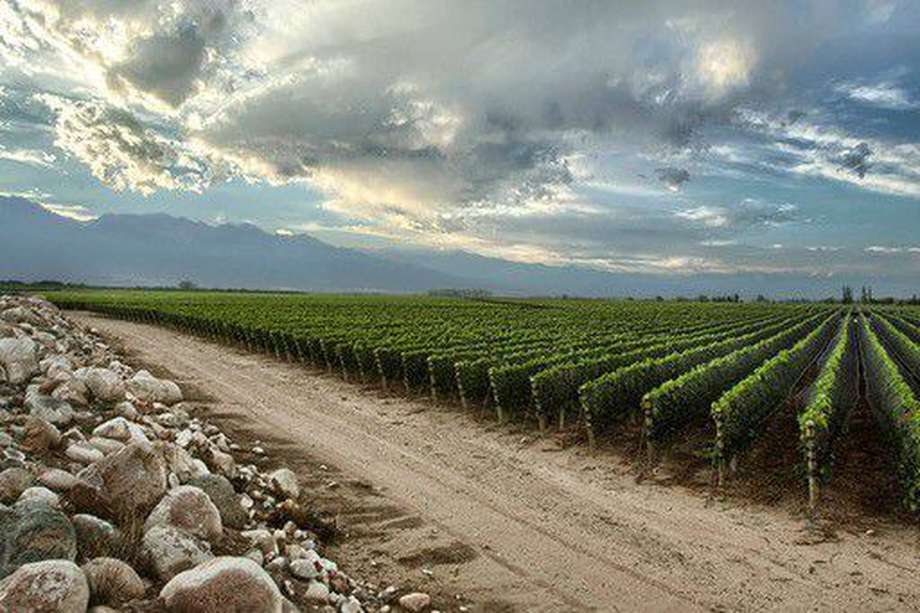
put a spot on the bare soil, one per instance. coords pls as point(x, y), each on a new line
point(497, 518)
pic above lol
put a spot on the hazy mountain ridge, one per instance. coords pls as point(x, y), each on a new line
point(161, 250)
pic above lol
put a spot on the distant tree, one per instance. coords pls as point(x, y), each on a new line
point(847, 295)
point(185, 284)
point(762, 298)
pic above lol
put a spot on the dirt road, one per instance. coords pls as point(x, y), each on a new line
point(509, 521)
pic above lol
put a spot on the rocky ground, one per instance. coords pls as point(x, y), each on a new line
point(116, 496)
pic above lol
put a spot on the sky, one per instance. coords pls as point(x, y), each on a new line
point(670, 137)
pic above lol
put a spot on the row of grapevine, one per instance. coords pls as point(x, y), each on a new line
point(617, 395)
point(671, 406)
point(830, 401)
point(741, 413)
point(556, 389)
point(896, 408)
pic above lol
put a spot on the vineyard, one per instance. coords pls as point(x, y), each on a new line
point(659, 371)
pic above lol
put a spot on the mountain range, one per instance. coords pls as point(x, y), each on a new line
point(162, 250)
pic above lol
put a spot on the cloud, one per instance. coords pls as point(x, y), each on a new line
point(31, 157)
point(77, 212)
point(882, 250)
point(742, 216)
point(122, 152)
point(885, 95)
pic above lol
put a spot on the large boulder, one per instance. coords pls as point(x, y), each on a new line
point(223, 585)
point(51, 586)
point(34, 531)
point(171, 551)
point(102, 383)
point(221, 492)
point(130, 481)
point(148, 388)
point(19, 358)
point(189, 509)
point(53, 410)
point(112, 582)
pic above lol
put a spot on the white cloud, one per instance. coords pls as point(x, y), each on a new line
point(77, 212)
point(883, 250)
point(30, 157)
point(122, 152)
point(886, 95)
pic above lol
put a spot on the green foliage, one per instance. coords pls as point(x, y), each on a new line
point(742, 411)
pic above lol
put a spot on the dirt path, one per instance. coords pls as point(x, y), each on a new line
point(508, 521)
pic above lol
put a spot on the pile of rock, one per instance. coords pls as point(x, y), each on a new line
point(114, 496)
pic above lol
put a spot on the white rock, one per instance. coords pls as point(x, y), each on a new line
point(307, 567)
point(415, 602)
point(120, 429)
point(83, 453)
point(54, 411)
point(57, 479)
point(284, 482)
point(172, 551)
point(262, 539)
point(107, 446)
point(148, 388)
point(317, 593)
point(103, 384)
point(40, 494)
point(189, 509)
point(351, 605)
point(208, 588)
point(127, 410)
point(19, 358)
point(52, 586)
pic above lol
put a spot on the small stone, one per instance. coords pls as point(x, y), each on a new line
point(37, 493)
point(13, 482)
point(120, 429)
point(112, 582)
point(95, 537)
point(284, 482)
point(106, 445)
point(40, 435)
point(54, 411)
point(308, 567)
point(351, 605)
point(103, 384)
point(147, 388)
point(262, 539)
point(415, 602)
point(317, 593)
point(83, 452)
point(57, 480)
